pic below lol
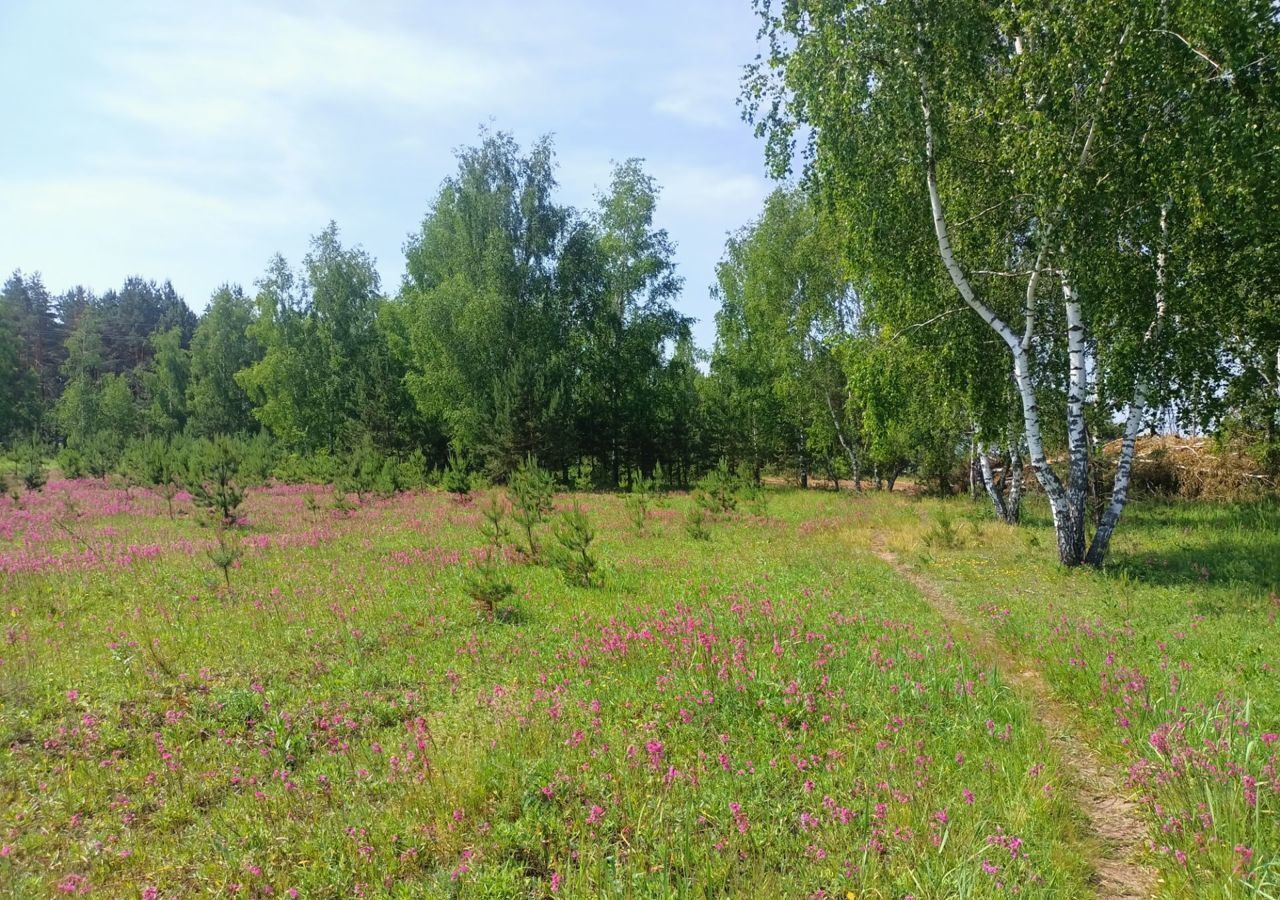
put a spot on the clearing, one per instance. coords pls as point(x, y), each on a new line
point(874, 695)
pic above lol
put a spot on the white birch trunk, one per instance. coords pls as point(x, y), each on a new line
point(1052, 485)
point(993, 490)
point(1013, 504)
point(1077, 437)
point(853, 457)
point(1137, 409)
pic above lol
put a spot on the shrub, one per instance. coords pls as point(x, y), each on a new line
point(532, 493)
point(574, 556)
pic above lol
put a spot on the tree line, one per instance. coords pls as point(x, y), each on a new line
point(523, 327)
point(1016, 232)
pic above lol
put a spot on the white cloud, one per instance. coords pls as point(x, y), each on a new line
point(262, 79)
point(700, 98)
point(193, 140)
point(706, 191)
point(124, 225)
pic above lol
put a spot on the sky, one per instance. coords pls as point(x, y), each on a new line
point(191, 141)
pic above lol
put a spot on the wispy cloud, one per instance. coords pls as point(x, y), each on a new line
point(123, 225)
point(241, 66)
point(711, 191)
point(194, 140)
point(704, 97)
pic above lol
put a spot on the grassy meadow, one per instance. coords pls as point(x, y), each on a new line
point(774, 711)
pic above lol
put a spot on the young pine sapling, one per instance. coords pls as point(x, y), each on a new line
point(574, 536)
point(33, 473)
point(211, 480)
point(638, 503)
point(457, 480)
point(532, 494)
point(486, 582)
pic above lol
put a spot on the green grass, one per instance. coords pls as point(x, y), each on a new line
point(1171, 655)
point(772, 712)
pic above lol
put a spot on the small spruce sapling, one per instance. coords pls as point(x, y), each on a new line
point(493, 527)
point(413, 471)
point(695, 522)
point(341, 504)
point(70, 463)
point(755, 498)
point(98, 457)
point(132, 468)
point(363, 469)
point(661, 483)
point(160, 469)
point(532, 495)
point(15, 494)
point(388, 483)
point(717, 490)
point(211, 481)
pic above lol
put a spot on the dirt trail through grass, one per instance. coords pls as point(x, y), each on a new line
point(1097, 791)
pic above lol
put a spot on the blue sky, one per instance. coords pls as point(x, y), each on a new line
point(191, 141)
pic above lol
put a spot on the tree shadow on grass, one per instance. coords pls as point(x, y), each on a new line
point(1222, 546)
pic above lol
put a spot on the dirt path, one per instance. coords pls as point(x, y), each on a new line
point(1097, 791)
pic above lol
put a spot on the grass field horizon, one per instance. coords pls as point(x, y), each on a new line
point(775, 711)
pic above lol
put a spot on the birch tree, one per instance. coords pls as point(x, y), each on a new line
point(1037, 160)
point(786, 305)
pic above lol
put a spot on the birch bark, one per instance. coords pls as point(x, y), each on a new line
point(853, 457)
point(993, 490)
point(1070, 548)
point(1137, 408)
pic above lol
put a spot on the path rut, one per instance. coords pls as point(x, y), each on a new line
point(1096, 789)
